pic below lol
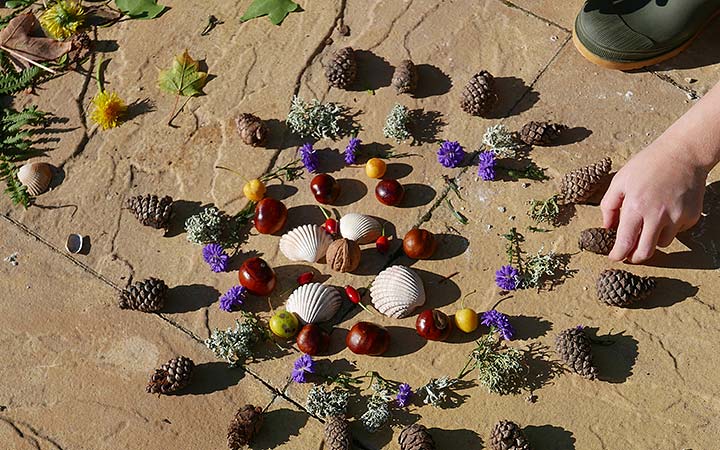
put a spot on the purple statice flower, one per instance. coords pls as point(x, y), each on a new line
point(500, 322)
point(351, 151)
point(303, 365)
point(403, 395)
point(233, 298)
point(215, 256)
point(507, 278)
point(309, 157)
point(486, 168)
point(450, 154)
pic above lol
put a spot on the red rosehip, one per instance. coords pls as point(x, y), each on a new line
point(331, 226)
point(305, 278)
point(382, 244)
point(352, 294)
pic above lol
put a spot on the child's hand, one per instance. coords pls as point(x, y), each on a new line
point(657, 194)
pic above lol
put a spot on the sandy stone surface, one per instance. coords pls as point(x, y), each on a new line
point(76, 365)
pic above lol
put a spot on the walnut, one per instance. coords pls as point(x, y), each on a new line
point(343, 255)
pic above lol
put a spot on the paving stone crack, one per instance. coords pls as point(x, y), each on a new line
point(35, 432)
point(532, 14)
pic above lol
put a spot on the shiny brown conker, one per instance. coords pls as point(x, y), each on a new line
point(433, 325)
point(419, 244)
point(270, 216)
point(325, 188)
point(389, 192)
point(313, 340)
point(257, 277)
point(366, 338)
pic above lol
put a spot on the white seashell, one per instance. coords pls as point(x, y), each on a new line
point(360, 228)
point(75, 243)
point(314, 302)
point(397, 291)
point(305, 243)
point(36, 177)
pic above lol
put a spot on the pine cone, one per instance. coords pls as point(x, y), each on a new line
point(541, 133)
point(405, 78)
point(580, 184)
point(416, 437)
point(172, 376)
point(574, 348)
point(244, 426)
point(146, 295)
point(597, 240)
point(80, 47)
point(478, 96)
point(337, 433)
point(621, 288)
point(342, 69)
point(507, 435)
point(150, 210)
point(252, 129)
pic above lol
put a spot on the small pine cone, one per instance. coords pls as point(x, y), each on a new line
point(507, 435)
point(252, 129)
point(597, 240)
point(575, 350)
point(172, 376)
point(621, 288)
point(478, 96)
point(244, 426)
point(580, 184)
point(541, 133)
point(416, 437)
point(342, 69)
point(80, 47)
point(337, 433)
point(146, 295)
point(151, 210)
point(405, 78)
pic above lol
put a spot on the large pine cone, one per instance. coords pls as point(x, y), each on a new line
point(252, 129)
point(416, 437)
point(541, 133)
point(478, 96)
point(172, 376)
point(575, 350)
point(337, 433)
point(405, 78)
point(146, 295)
point(244, 426)
point(620, 288)
point(581, 184)
point(597, 240)
point(151, 210)
point(342, 69)
point(507, 435)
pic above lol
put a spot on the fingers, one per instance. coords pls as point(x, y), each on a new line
point(610, 206)
point(647, 242)
point(667, 236)
point(627, 235)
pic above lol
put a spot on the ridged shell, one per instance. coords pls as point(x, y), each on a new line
point(397, 291)
point(314, 302)
point(305, 243)
point(360, 228)
point(36, 177)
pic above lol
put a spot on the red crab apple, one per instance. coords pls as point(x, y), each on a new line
point(433, 325)
point(366, 338)
point(257, 277)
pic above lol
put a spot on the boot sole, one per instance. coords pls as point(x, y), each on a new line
point(632, 65)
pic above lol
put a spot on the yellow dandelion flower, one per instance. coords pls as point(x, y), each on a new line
point(63, 19)
point(109, 110)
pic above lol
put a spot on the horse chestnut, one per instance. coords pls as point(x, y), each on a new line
point(325, 188)
point(257, 277)
point(419, 244)
point(270, 216)
point(433, 325)
point(366, 338)
point(389, 192)
point(313, 340)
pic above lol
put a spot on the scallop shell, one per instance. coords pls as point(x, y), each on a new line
point(360, 228)
point(36, 177)
point(305, 243)
point(314, 302)
point(397, 291)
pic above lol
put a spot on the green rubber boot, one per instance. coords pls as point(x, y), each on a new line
point(630, 34)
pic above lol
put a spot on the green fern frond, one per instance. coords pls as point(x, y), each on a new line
point(12, 82)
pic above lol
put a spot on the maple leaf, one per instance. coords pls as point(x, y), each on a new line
point(276, 10)
point(140, 9)
point(25, 49)
point(184, 77)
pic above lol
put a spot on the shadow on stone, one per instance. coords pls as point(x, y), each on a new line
point(549, 437)
point(460, 439)
point(431, 81)
point(397, 171)
point(529, 327)
point(515, 97)
point(374, 150)
point(182, 210)
point(212, 377)
point(541, 367)
point(449, 246)
point(703, 239)
point(303, 214)
point(279, 425)
point(279, 135)
point(351, 191)
point(439, 290)
point(374, 72)
point(281, 191)
point(571, 136)
point(416, 195)
point(331, 160)
point(405, 341)
point(181, 299)
point(140, 107)
point(614, 355)
point(425, 126)
point(667, 293)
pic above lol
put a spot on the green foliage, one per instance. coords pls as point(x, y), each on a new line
point(314, 119)
point(276, 10)
point(323, 403)
point(438, 392)
point(12, 81)
point(184, 77)
point(396, 124)
point(501, 141)
point(16, 131)
point(237, 345)
point(545, 211)
point(140, 9)
point(499, 368)
point(512, 248)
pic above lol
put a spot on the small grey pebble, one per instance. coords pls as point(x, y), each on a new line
point(526, 185)
point(489, 227)
point(502, 209)
point(511, 217)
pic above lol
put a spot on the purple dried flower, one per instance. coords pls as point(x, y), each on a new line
point(215, 256)
point(309, 157)
point(233, 298)
point(403, 395)
point(500, 322)
point(351, 151)
point(303, 365)
point(507, 278)
point(450, 154)
point(486, 167)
